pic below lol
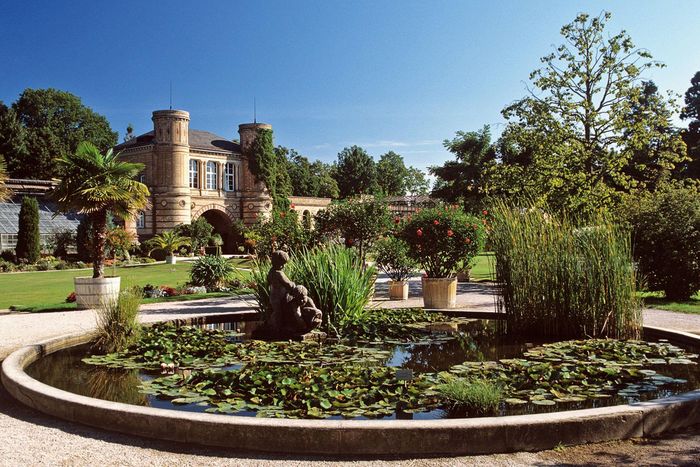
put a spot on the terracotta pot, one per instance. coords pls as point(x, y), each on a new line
point(94, 292)
point(439, 293)
point(398, 290)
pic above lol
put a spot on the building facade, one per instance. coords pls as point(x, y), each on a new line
point(194, 173)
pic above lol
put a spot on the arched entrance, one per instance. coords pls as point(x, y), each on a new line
point(222, 225)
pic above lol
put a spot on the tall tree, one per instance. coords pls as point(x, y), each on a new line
point(55, 122)
point(392, 174)
point(691, 136)
point(355, 172)
point(325, 185)
point(13, 138)
point(4, 191)
point(416, 183)
point(28, 238)
point(576, 116)
point(653, 143)
point(308, 178)
point(462, 180)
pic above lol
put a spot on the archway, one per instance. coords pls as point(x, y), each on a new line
point(222, 225)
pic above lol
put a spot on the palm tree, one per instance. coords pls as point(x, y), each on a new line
point(95, 185)
point(169, 241)
point(4, 191)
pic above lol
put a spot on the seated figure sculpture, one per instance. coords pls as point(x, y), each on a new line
point(293, 312)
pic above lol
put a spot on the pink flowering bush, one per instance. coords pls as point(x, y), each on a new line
point(441, 238)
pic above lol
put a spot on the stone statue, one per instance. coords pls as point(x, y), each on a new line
point(293, 312)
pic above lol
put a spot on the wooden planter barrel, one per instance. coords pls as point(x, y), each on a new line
point(94, 292)
point(439, 292)
point(398, 290)
point(171, 260)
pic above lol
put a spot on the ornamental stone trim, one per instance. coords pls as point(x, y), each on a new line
point(215, 207)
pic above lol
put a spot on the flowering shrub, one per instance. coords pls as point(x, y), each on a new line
point(441, 238)
point(71, 297)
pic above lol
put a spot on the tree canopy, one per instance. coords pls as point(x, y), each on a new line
point(355, 172)
point(392, 174)
point(463, 180)
point(309, 178)
point(584, 120)
point(691, 136)
point(47, 124)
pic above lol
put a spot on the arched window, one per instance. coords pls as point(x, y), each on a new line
point(230, 177)
point(211, 175)
point(194, 174)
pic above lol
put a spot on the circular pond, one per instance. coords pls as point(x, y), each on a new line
point(414, 374)
point(396, 389)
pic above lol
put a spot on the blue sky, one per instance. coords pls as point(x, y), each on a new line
point(386, 75)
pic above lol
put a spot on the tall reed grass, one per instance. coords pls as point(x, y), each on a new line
point(564, 279)
point(334, 275)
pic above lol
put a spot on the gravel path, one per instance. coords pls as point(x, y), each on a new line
point(32, 438)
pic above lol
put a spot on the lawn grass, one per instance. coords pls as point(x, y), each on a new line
point(658, 301)
point(483, 269)
point(41, 291)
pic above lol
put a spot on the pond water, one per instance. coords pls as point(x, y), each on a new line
point(456, 343)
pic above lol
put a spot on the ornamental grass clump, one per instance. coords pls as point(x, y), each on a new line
point(117, 323)
point(442, 238)
point(561, 279)
point(335, 278)
point(478, 396)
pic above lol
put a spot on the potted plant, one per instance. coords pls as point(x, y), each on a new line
point(169, 241)
point(393, 258)
point(95, 185)
point(441, 239)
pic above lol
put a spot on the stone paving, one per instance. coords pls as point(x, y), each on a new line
point(32, 438)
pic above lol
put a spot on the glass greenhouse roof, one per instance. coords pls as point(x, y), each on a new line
point(49, 220)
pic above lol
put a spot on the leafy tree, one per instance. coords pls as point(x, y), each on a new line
point(54, 124)
point(308, 178)
point(280, 231)
point(270, 167)
point(199, 232)
point(691, 136)
point(416, 183)
point(325, 184)
point(576, 118)
point(28, 239)
point(169, 241)
point(654, 145)
point(392, 174)
point(463, 180)
point(355, 172)
point(359, 221)
point(13, 138)
point(4, 191)
point(666, 238)
point(95, 185)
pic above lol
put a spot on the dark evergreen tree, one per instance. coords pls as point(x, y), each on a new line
point(28, 239)
point(691, 136)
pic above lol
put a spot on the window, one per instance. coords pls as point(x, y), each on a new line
point(230, 177)
point(194, 174)
point(141, 220)
point(211, 176)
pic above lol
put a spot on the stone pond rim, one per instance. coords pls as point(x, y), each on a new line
point(488, 435)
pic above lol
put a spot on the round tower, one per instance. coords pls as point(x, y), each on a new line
point(256, 200)
point(171, 190)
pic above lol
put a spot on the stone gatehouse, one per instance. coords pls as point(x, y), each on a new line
point(194, 173)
